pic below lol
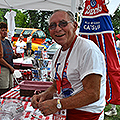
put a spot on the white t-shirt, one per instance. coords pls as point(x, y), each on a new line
point(85, 58)
point(10, 20)
point(118, 43)
point(20, 44)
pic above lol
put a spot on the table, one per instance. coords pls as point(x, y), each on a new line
point(14, 93)
point(28, 112)
point(22, 63)
point(26, 75)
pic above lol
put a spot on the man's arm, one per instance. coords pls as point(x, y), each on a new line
point(89, 94)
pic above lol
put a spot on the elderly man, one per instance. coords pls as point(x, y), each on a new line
point(78, 72)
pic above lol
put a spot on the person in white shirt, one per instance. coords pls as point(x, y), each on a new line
point(20, 46)
point(118, 46)
point(113, 110)
point(78, 73)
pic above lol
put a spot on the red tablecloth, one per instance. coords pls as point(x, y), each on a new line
point(14, 93)
point(26, 75)
point(28, 115)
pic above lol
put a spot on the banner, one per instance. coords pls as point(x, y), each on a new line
point(96, 25)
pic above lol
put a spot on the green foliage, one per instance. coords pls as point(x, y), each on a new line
point(116, 21)
point(29, 19)
point(117, 117)
point(43, 21)
point(32, 18)
point(37, 19)
point(2, 14)
point(21, 20)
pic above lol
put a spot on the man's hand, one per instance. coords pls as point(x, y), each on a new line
point(48, 107)
point(12, 70)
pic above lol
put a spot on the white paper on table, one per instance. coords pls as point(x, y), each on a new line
point(29, 109)
point(18, 60)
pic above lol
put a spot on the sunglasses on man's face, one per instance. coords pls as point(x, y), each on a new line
point(61, 24)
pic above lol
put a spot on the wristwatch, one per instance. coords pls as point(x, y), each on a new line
point(59, 105)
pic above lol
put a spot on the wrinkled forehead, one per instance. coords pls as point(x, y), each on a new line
point(58, 16)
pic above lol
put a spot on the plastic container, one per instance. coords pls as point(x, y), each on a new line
point(27, 88)
point(12, 110)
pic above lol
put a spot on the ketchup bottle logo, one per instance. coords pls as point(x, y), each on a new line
point(93, 3)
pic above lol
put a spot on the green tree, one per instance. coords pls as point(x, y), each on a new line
point(43, 21)
point(38, 19)
point(2, 14)
point(20, 18)
point(32, 18)
point(116, 21)
point(29, 19)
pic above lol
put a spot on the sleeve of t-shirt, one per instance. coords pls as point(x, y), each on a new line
point(92, 63)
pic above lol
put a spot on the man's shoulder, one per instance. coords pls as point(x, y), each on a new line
point(7, 40)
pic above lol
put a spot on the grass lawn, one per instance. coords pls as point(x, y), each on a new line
point(117, 117)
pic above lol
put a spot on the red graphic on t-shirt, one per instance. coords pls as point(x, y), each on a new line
point(65, 82)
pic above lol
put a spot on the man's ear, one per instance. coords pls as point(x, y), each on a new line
point(49, 32)
point(75, 25)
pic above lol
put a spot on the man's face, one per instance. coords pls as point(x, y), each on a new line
point(62, 35)
point(3, 32)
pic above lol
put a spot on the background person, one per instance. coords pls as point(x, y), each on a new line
point(1, 49)
point(118, 46)
point(20, 46)
point(6, 60)
point(78, 72)
point(19, 37)
point(29, 44)
point(113, 110)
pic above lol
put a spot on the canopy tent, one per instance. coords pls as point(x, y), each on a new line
point(40, 4)
point(52, 4)
point(97, 26)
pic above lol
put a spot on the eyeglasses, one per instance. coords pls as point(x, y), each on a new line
point(61, 24)
point(21, 38)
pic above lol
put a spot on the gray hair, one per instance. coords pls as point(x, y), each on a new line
point(70, 14)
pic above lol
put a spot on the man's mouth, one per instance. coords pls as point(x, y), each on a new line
point(60, 35)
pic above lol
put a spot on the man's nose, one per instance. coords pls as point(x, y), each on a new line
point(58, 26)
